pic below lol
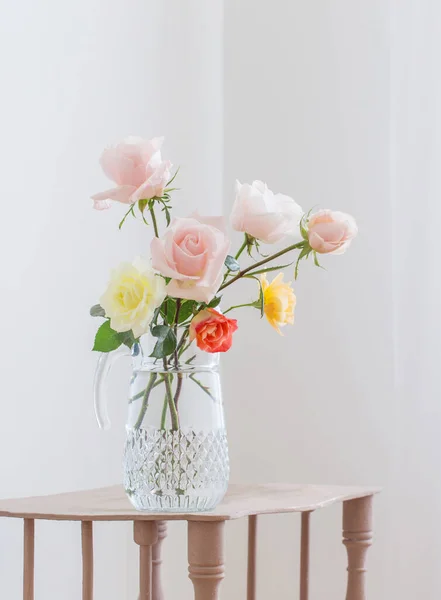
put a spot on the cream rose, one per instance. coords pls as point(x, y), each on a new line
point(263, 215)
point(192, 252)
point(131, 297)
point(331, 232)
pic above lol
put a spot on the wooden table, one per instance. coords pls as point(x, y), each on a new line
point(205, 532)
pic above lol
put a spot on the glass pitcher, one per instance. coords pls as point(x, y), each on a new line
point(176, 451)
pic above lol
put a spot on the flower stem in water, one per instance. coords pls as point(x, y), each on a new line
point(145, 401)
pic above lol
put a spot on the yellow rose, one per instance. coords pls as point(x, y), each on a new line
point(133, 294)
point(279, 302)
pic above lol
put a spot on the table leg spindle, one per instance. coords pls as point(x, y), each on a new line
point(28, 559)
point(158, 593)
point(146, 536)
point(304, 556)
point(357, 537)
point(252, 557)
point(206, 557)
point(87, 550)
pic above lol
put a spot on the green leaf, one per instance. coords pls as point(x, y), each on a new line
point(171, 310)
point(303, 224)
point(305, 252)
point(126, 215)
point(186, 310)
point(173, 178)
point(155, 318)
point(269, 269)
point(166, 343)
point(142, 204)
point(260, 302)
point(97, 311)
point(215, 302)
point(316, 262)
point(127, 338)
point(168, 310)
point(232, 264)
point(106, 339)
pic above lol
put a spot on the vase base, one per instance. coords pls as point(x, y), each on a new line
point(176, 471)
point(176, 503)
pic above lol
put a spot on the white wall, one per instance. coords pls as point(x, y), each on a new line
point(416, 155)
point(307, 110)
point(76, 76)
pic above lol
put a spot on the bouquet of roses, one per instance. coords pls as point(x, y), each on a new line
point(191, 263)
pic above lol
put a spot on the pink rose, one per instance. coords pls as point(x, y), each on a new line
point(265, 216)
point(331, 232)
point(192, 252)
point(137, 168)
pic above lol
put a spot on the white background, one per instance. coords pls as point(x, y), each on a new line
point(332, 103)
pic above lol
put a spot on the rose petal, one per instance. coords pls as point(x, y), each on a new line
point(121, 193)
point(215, 266)
point(101, 204)
point(187, 291)
point(191, 266)
point(160, 262)
point(216, 222)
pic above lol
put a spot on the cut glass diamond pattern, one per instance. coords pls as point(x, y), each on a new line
point(176, 470)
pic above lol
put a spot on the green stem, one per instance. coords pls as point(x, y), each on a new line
point(242, 248)
point(178, 309)
point(238, 253)
point(238, 306)
point(164, 412)
point(180, 376)
point(262, 262)
point(180, 347)
point(178, 389)
point(141, 394)
point(203, 387)
point(145, 402)
point(155, 224)
point(171, 404)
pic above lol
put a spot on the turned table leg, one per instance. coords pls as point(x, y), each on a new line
point(28, 559)
point(206, 557)
point(357, 537)
point(252, 557)
point(145, 535)
point(158, 593)
point(87, 551)
point(304, 556)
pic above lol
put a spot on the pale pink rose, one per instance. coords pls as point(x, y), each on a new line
point(192, 252)
point(137, 168)
point(265, 216)
point(331, 232)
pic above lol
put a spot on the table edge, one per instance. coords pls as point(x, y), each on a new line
point(202, 516)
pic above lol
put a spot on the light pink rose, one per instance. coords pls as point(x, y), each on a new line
point(265, 216)
point(192, 252)
point(137, 168)
point(331, 232)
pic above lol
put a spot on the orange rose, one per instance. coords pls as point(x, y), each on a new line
point(212, 331)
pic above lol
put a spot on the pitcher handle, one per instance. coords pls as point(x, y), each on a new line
point(106, 361)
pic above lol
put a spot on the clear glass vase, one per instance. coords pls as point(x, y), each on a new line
point(176, 450)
